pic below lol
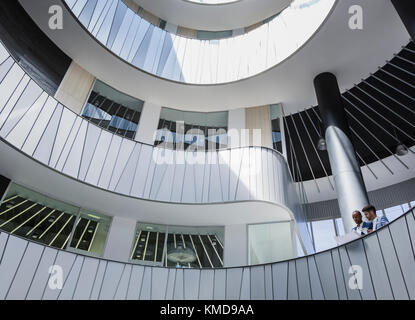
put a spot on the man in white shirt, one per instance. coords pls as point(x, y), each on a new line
point(361, 226)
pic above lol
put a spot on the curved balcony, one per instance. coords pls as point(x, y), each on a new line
point(39, 126)
point(377, 266)
point(194, 61)
point(212, 1)
point(213, 15)
point(333, 41)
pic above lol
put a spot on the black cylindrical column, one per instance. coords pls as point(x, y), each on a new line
point(406, 11)
point(4, 183)
point(330, 102)
point(350, 188)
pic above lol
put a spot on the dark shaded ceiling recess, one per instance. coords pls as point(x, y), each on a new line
point(31, 48)
point(381, 115)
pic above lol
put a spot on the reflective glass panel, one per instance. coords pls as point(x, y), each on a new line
point(33, 216)
point(275, 114)
point(340, 226)
point(91, 232)
point(395, 212)
point(38, 218)
point(180, 247)
point(324, 234)
point(270, 242)
point(203, 130)
point(113, 110)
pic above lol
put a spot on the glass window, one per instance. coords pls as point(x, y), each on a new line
point(181, 247)
point(324, 234)
point(149, 243)
point(203, 130)
point(213, 35)
point(395, 212)
point(91, 232)
point(33, 216)
point(270, 242)
point(300, 251)
point(113, 110)
point(30, 215)
point(275, 114)
point(162, 24)
point(340, 226)
point(309, 229)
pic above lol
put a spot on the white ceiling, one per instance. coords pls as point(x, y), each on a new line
point(350, 54)
point(228, 16)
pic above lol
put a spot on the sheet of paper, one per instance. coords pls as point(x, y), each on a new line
point(347, 238)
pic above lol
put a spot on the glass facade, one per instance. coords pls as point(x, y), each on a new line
point(33, 216)
point(276, 114)
point(202, 130)
point(90, 232)
point(113, 110)
point(395, 212)
point(324, 234)
point(270, 242)
point(181, 247)
point(340, 227)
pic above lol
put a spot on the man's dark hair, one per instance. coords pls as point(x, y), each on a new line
point(369, 208)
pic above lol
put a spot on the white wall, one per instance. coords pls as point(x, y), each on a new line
point(148, 123)
point(270, 242)
point(236, 124)
point(75, 88)
point(236, 250)
point(120, 239)
point(258, 122)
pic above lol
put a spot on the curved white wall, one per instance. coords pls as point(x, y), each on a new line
point(332, 48)
point(41, 127)
point(195, 61)
point(386, 258)
point(207, 15)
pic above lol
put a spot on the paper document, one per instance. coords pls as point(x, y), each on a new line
point(347, 238)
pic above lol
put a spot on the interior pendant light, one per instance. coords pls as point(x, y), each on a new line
point(401, 149)
point(321, 144)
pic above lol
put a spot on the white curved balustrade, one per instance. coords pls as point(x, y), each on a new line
point(213, 2)
point(384, 264)
point(41, 127)
point(195, 61)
